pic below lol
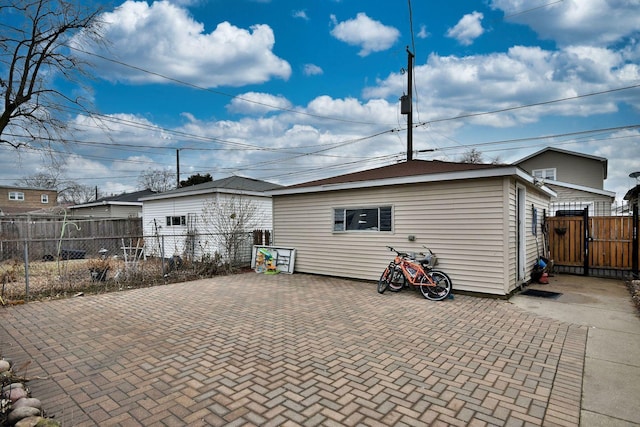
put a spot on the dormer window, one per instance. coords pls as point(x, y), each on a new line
point(44, 198)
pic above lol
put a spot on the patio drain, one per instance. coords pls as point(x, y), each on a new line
point(541, 294)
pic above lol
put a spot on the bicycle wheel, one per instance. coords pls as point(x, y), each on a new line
point(439, 290)
point(397, 281)
point(384, 281)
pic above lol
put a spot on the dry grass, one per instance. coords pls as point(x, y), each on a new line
point(66, 278)
point(56, 279)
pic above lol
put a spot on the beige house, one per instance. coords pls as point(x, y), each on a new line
point(576, 178)
point(20, 200)
point(479, 220)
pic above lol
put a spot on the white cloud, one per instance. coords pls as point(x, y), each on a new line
point(257, 103)
point(164, 39)
point(423, 33)
point(450, 86)
point(370, 35)
point(593, 22)
point(312, 70)
point(467, 29)
point(302, 14)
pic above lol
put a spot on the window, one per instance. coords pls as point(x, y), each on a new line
point(44, 198)
point(16, 195)
point(362, 219)
point(544, 173)
point(173, 221)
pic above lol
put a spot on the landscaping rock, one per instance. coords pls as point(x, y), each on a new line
point(12, 386)
point(27, 401)
point(5, 365)
point(39, 422)
point(21, 413)
point(15, 394)
point(29, 422)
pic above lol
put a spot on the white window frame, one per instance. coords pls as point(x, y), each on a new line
point(44, 198)
point(16, 195)
point(341, 215)
point(547, 173)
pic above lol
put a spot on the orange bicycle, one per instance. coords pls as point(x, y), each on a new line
point(405, 270)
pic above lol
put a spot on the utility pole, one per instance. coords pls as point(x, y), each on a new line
point(177, 168)
point(406, 105)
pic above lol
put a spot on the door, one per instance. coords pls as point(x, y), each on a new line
point(521, 233)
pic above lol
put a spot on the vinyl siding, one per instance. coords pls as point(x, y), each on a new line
point(569, 168)
point(535, 244)
point(463, 222)
point(109, 211)
point(154, 222)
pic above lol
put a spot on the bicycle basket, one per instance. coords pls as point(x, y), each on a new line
point(430, 260)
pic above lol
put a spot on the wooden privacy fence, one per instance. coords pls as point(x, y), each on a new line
point(607, 247)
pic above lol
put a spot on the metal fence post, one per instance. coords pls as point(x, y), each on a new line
point(587, 240)
point(162, 256)
point(26, 269)
point(634, 240)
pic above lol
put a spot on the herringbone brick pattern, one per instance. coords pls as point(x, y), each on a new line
point(297, 349)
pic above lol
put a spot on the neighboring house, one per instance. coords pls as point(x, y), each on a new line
point(577, 179)
point(122, 206)
point(177, 222)
point(20, 200)
point(632, 197)
point(477, 218)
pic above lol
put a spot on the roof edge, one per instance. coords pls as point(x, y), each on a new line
point(418, 179)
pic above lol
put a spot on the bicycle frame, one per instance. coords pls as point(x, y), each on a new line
point(405, 269)
point(413, 271)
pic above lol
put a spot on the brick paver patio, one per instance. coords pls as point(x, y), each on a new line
point(296, 349)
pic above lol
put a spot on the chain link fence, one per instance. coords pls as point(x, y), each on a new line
point(55, 268)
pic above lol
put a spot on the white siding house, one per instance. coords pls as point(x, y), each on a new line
point(477, 219)
point(177, 222)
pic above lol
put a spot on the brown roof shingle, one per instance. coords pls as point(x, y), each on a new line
point(404, 169)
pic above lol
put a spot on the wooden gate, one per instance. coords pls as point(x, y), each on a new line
point(607, 248)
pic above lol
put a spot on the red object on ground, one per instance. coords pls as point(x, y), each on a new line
point(544, 279)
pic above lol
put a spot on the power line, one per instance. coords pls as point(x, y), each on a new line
point(522, 12)
point(536, 104)
point(217, 92)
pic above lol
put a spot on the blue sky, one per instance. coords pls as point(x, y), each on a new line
point(294, 90)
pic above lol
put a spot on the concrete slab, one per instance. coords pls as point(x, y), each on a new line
point(589, 419)
point(611, 380)
point(611, 389)
point(614, 346)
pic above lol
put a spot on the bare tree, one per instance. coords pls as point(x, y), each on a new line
point(472, 156)
point(158, 180)
point(51, 180)
point(34, 53)
point(230, 220)
point(77, 194)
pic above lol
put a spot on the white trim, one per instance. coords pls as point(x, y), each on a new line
point(560, 150)
point(521, 244)
point(581, 188)
point(416, 179)
point(205, 191)
point(105, 203)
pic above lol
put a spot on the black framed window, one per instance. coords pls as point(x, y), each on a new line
point(362, 219)
point(173, 221)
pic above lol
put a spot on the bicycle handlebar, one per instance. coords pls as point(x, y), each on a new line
point(406, 254)
point(401, 254)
